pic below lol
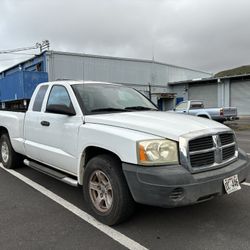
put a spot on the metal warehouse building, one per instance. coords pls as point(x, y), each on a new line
point(148, 76)
point(226, 91)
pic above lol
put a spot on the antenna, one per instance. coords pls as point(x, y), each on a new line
point(153, 50)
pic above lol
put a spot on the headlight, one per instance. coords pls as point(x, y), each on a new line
point(157, 152)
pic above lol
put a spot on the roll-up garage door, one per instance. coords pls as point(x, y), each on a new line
point(240, 97)
point(206, 92)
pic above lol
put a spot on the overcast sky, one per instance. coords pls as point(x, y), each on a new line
point(210, 35)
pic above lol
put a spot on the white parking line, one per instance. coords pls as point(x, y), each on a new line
point(246, 184)
point(248, 153)
point(115, 235)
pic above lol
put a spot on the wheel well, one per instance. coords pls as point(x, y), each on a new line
point(88, 154)
point(204, 116)
point(3, 130)
point(93, 151)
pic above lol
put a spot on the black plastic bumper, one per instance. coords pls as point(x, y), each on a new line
point(171, 186)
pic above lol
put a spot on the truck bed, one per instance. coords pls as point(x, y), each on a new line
point(14, 121)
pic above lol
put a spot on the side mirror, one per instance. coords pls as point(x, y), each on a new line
point(61, 109)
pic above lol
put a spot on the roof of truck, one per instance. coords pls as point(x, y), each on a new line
point(72, 82)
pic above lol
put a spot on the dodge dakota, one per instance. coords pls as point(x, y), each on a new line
point(120, 148)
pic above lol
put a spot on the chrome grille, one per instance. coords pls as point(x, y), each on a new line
point(226, 139)
point(198, 160)
point(228, 152)
point(211, 151)
point(201, 143)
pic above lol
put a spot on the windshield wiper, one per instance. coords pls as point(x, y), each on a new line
point(139, 108)
point(127, 109)
point(109, 110)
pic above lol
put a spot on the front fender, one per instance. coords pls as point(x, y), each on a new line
point(121, 142)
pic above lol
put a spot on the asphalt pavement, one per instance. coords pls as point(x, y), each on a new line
point(31, 220)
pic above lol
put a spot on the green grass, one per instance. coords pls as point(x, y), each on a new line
point(236, 71)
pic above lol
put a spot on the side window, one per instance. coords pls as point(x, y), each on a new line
point(39, 98)
point(196, 105)
point(59, 96)
point(181, 106)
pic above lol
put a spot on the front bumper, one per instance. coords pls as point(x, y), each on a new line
point(171, 186)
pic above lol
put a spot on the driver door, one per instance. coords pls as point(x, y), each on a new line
point(182, 108)
point(54, 135)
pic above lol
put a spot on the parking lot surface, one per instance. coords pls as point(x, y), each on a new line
point(31, 220)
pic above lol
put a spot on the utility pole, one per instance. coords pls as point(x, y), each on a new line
point(149, 91)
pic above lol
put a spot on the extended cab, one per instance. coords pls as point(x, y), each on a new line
point(115, 143)
point(196, 108)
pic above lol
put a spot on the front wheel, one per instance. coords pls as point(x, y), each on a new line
point(8, 157)
point(105, 190)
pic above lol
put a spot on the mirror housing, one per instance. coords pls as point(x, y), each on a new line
point(61, 109)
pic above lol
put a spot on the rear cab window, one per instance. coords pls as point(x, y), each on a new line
point(37, 106)
point(196, 105)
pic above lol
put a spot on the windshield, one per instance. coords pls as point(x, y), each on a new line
point(105, 98)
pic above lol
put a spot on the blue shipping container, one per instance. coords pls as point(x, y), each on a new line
point(20, 85)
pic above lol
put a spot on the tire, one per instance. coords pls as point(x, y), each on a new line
point(105, 190)
point(8, 157)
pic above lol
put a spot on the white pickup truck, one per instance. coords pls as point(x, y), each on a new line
point(114, 142)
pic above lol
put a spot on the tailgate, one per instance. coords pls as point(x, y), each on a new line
point(230, 111)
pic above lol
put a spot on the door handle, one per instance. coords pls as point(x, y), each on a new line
point(45, 123)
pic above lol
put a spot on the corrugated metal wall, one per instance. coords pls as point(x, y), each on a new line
point(144, 75)
point(219, 92)
point(208, 92)
point(181, 91)
point(119, 70)
point(66, 66)
point(224, 93)
point(240, 96)
point(182, 74)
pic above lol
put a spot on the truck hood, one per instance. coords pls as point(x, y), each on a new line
point(163, 124)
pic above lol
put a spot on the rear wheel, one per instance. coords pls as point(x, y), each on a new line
point(8, 157)
point(105, 190)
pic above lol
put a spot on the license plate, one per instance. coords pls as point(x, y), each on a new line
point(231, 184)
